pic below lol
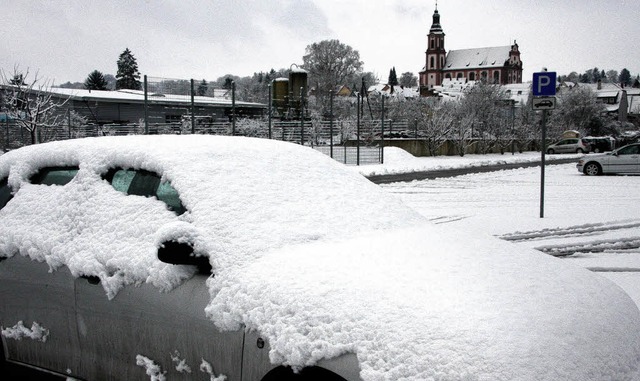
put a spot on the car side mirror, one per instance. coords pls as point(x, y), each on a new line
point(180, 253)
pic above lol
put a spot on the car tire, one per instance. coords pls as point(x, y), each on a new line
point(579, 150)
point(313, 373)
point(592, 169)
point(550, 151)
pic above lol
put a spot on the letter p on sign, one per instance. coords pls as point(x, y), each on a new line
point(544, 84)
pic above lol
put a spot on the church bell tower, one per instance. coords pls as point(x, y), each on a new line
point(436, 55)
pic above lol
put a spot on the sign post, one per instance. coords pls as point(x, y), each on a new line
point(544, 91)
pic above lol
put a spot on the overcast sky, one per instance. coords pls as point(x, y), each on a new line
point(206, 39)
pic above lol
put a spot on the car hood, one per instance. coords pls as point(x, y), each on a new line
point(429, 303)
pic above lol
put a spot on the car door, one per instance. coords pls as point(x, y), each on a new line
point(625, 160)
point(37, 304)
point(143, 329)
point(122, 337)
point(38, 314)
point(568, 145)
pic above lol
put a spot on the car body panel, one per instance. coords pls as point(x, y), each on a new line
point(114, 327)
point(257, 362)
point(31, 293)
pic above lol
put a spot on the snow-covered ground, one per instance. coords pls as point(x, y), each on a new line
point(593, 222)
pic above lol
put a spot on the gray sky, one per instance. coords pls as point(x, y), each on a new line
point(65, 40)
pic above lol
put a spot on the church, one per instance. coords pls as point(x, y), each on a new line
point(499, 64)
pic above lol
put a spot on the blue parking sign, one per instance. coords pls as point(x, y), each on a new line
point(544, 84)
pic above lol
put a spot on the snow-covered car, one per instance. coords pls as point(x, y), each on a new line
point(569, 145)
point(240, 259)
point(624, 160)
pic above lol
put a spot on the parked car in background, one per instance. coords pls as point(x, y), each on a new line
point(200, 257)
point(570, 145)
point(623, 160)
point(600, 144)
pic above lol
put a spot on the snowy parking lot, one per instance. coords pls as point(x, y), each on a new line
point(593, 222)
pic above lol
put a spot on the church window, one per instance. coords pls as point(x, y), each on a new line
point(432, 65)
point(472, 76)
point(496, 77)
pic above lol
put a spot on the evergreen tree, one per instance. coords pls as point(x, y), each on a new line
point(202, 88)
point(625, 77)
point(128, 76)
point(95, 81)
point(595, 75)
point(393, 78)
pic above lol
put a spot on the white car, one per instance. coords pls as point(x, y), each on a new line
point(624, 160)
point(240, 259)
point(569, 145)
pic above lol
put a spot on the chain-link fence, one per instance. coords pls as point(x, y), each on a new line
point(345, 141)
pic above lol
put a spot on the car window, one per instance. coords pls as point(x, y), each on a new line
point(5, 193)
point(631, 150)
point(54, 175)
point(145, 183)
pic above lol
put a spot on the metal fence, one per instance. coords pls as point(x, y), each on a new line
point(348, 142)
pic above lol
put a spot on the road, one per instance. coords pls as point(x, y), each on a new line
point(451, 172)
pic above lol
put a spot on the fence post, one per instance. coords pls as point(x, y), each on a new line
point(193, 109)
point(331, 123)
point(301, 115)
point(233, 108)
point(6, 122)
point(358, 133)
point(69, 121)
point(382, 133)
point(146, 107)
point(270, 106)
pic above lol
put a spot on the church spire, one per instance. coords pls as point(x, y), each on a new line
point(435, 26)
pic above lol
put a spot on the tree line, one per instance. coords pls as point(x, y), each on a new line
point(484, 114)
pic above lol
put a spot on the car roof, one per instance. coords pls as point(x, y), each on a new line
point(320, 261)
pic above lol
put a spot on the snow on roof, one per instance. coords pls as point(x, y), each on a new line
point(321, 262)
point(477, 58)
point(138, 96)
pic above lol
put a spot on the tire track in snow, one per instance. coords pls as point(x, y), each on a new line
point(604, 255)
point(625, 244)
point(571, 231)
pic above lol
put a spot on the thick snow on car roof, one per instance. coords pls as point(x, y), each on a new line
point(321, 262)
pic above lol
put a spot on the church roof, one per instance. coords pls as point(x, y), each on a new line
point(479, 58)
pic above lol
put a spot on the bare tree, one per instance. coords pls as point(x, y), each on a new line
point(331, 63)
point(578, 109)
point(31, 106)
point(485, 104)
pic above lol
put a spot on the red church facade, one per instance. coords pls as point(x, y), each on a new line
point(500, 64)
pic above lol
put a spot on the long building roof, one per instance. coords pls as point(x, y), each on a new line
point(137, 96)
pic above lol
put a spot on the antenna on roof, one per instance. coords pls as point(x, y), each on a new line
point(436, 5)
